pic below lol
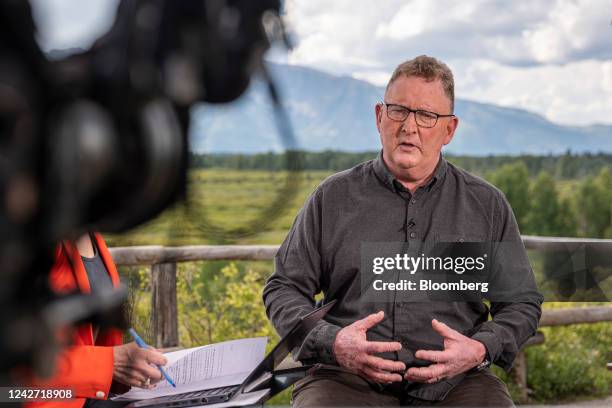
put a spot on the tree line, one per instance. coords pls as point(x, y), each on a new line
point(565, 166)
point(541, 209)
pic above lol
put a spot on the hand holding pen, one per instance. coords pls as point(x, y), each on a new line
point(144, 345)
point(132, 365)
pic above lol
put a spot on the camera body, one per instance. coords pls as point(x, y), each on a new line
point(98, 140)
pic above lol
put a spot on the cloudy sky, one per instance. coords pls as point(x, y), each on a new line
point(553, 57)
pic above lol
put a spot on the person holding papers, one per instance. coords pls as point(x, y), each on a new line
point(98, 359)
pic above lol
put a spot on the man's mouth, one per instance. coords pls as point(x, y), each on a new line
point(408, 145)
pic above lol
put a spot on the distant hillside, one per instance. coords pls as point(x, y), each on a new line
point(337, 113)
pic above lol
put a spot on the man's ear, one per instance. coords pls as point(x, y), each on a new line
point(378, 112)
point(451, 127)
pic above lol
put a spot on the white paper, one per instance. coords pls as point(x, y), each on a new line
point(206, 367)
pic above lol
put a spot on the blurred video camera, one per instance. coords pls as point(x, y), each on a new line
point(97, 140)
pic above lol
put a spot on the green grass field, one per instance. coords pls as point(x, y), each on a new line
point(229, 199)
point(232, 198)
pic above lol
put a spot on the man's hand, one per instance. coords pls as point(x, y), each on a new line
point(135, 366)
point(460, 354)
point(355, 352)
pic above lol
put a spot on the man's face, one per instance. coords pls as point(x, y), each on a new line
point(406, 146)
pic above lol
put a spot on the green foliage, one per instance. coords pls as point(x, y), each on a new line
point(569, 365)
point(547, 216)
point(137, 309)
point(219, 301)
point(513, 180)
point(567, 223)
point(221, 307)
point(594, 198)
point(571, 362)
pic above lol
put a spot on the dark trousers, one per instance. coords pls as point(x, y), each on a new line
point(328, 388)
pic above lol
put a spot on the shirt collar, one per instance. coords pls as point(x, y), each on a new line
point(384, 174)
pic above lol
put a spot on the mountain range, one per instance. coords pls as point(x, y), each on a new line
point(330, 112)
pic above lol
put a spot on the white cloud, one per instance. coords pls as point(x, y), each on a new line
point(379, 78)
point(422, 16)
point(517, 33)
point(571, 28)
point(327, 32)
point(551, 57)
point(578, 93)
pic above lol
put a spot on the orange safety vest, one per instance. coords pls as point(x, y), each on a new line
point(85, 368)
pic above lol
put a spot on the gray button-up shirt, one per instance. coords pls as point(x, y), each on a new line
point(367, 204)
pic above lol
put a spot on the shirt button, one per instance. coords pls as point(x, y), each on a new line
point(412, 235)
point(413, 201)
point(100, 394)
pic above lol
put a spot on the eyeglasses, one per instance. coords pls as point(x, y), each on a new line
point(400, 113)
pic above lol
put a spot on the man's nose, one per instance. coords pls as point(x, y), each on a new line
point(409, 124)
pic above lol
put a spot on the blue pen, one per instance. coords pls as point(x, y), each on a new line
point(142, 344)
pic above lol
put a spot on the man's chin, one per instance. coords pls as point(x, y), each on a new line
point(407, 161)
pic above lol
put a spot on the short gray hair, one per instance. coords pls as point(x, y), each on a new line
point(430, 69)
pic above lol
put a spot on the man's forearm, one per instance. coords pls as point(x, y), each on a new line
point(285, 305)
point(318, 346)
point(512, 325)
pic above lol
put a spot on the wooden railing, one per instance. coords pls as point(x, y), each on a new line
point(163, 262)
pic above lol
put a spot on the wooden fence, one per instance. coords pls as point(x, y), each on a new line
point(163, 260)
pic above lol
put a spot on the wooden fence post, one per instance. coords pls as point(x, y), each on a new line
point(519, 369)
point(164, 308)
point(519, 374)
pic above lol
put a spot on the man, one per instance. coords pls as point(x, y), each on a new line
point(408, 194)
